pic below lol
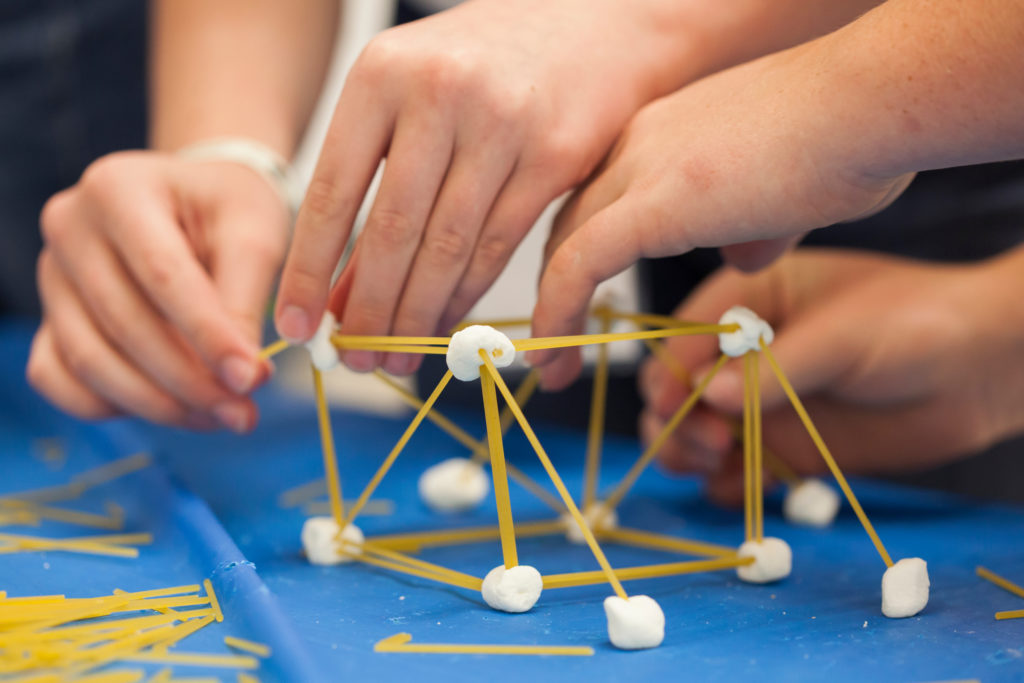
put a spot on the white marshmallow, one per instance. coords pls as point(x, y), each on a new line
point(606, 519)
point(748, 337)
point(319, 540)
point(512, 590)
point(905, 588)
point(454, 484)
point(321, 350)
point(812, 502)
point(773, 560)
point(464, 351)
point(634, 624)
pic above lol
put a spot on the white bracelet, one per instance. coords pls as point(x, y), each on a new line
point(259, 157)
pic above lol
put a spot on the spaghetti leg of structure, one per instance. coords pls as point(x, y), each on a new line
point(556, 480)
point(798, 406)
point(396, 451)
point(595, 429)
point(748, 456)
point(498, 472)
point(758, 461)
point(620, 491)
point(327, 446)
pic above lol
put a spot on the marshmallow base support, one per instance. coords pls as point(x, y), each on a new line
point(463, 355)
point(905, 588)
point(748, 338)
point(321, 543)
point(512, 590)
point(773, 560)
point(606, 519)
point(634, 624)
point(454, 485)
point(812, 502)
point(321, 351)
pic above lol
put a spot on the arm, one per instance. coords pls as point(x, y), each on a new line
point(486, 114)
point(246, 68)
point(801, 139)
point(156, 269)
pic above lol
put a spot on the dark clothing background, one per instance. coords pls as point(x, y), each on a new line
point(72, 88)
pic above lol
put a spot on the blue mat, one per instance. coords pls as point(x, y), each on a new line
point(823, 621)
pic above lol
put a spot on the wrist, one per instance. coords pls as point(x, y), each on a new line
point(267, 163)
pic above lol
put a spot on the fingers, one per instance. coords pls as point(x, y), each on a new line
point(417, 162)
point(351, 152)
point(159, 257)
point(752, 256)
point(86, 353)
point(515, 211)
point(48, 375)
point(600, 248)
point(473, 181)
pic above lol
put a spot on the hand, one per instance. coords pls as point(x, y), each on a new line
point(739, 158)
point(902, 365)
point(154, 279)
point(486, 113)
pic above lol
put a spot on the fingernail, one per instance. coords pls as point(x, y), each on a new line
point(233, 415)
point(360, 361)
point(293, 324)
point(239, 374)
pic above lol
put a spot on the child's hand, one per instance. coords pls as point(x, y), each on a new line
point(154, 279)
point(902, 365)
point(738, 158)
point(486, 113)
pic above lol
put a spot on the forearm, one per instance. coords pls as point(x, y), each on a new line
point(250, 68)
point(925, 84)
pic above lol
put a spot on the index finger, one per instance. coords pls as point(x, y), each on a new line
point(356, 141)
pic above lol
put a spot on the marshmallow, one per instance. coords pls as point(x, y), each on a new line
point(320, 541)
point(812, 502)
point(464, 351)
point(773, 560)
point(634, 624)
point(905, 588)
point(605, 518)
point(321, 350)
point(454, 484)
point(512, 590)
point(748, 337)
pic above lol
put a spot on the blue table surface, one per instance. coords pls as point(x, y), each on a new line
point(211, 502)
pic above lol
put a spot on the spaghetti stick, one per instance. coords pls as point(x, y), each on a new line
point(271, 350)
point(779, 469)
point(113, 520)
point(16, 543)
point(253, 648)
point(523, 393)
point(755, 398)
point(393, 455)
point(646, 539)
point(213, 601)
point(651, 571)
point(330, 456)
point(1005, 584)
point(613, 500)
point(297, 495)
point(748, 497)
point(1010, 614)
point(401, 642)
point(557, 481)
point(587, 339)
point(524, 480)
point(353, 340)
point(798, 406)
point(414, 571)
point(595, 428)
point(418, 563)
point(427, 539)
point(498, 472)
point(195, 659)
